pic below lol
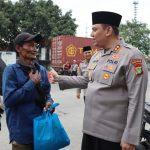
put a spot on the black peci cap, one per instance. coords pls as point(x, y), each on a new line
point(26, 37)
point(87, 48)
point(105, 17)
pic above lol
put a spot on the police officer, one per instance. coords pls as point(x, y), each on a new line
point(82, 69)
point(74, 68)
point(116, 90)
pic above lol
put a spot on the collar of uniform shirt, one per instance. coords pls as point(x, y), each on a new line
point(106, 52)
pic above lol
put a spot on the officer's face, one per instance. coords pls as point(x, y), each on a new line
point(99, 35)
point(28, 50)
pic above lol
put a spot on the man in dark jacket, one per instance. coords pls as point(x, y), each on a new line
point(26, 91)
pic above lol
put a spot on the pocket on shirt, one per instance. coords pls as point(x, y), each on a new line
point(107, 73)
point(106, 78)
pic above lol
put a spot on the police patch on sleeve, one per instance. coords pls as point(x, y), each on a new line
point(137, 63)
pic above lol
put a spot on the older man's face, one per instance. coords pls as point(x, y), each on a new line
point(28, 50)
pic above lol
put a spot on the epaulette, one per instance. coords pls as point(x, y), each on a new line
point(128, 46)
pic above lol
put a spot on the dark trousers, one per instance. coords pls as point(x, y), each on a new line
point(74, 73)
point(93, 143)
point(66, 72)
point(84, 98)
point(17, 146)
point(0, 122)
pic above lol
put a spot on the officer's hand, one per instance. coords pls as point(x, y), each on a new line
point(78, 95)
point(54, 75)
point(35, 77)
point(126, 146)
point(50, 77)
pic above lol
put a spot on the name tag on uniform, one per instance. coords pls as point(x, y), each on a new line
point(110, 68)
point(112, 61)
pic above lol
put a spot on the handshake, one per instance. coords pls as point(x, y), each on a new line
point(53, 76)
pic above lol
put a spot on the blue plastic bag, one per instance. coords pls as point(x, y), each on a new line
point(49, 134)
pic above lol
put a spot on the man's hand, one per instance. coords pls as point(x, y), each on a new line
point(78, 95)
point(47, 105)
point(35, 77)
point(126, 146)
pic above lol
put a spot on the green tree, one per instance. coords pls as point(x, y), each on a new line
point(34, 16)
point(137, 34)
point(5, 23)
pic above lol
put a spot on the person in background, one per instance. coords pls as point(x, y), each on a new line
point(26, 91)
point(66, 68)
point(83, 67)
point(74, 68)
point(116, 88)
point(1, 110)
point(2, 67)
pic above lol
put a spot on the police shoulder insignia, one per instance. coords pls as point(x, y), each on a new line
point(117, 47)
point(137, 63)
point(128, 46)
